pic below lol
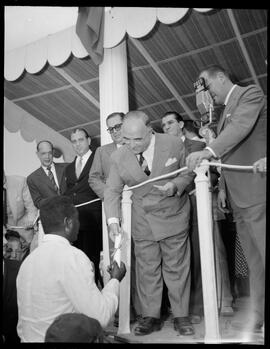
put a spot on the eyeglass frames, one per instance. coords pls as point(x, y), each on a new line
point(115, 128)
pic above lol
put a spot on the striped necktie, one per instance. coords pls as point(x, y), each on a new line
point(79, 167)
point(144, 165)
point(51, 176)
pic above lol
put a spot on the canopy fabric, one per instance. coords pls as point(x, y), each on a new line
point(57, 48)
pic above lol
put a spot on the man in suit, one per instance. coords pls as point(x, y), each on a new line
point(19, 206)
point(100, 168)
point(98, 175)
point(241, 140)
point(90, 215)
point(172, 123)
point(48, 180)
point(160, 217)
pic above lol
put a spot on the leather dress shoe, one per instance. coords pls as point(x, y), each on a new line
point(183, 326)
point(195, 319)
point(147, 325)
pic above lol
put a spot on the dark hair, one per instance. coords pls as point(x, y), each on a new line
point(115, 114)
point(213, 69)
point(43, 141)
point(80, 129)
point(189, 126)
point(138, 114)
point(178, 117)
point(54, 210)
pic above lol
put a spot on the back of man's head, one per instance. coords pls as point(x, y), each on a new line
point(190, 127)
point(53, 212)
point(74, 328)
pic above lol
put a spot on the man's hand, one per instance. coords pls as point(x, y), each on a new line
point(117, 272)
point(194, 159)
point(221, 201)
point(259, 165)
point(114, 230)
point(169, 189)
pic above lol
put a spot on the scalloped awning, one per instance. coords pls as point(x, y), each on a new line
point(56, 49)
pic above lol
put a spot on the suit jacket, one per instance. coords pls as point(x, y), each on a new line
point(100, 168)
point(20, 202)
point(241, 141)
point(40, 185)
point(154, 216)
point(80, 191)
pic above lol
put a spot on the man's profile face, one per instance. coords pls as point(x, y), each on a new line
point(215, 86)
point(136, 135)
point(45, 154)
point(80, 142)
point(171, 126)
point(114, 123)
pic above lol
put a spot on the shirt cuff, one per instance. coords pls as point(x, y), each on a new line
point(113, 220)
point(211, 151)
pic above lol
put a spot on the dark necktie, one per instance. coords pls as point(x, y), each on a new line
point(144, 165)
point(50, 175)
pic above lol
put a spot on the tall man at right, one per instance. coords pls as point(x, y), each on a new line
point(241, 140)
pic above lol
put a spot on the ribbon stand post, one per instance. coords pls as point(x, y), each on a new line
point(124, 240)
point(204, 212)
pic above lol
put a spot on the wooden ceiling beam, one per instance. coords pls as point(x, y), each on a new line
point(80, 125)
point(163, 77)
point(77, 86)
point(242, 46)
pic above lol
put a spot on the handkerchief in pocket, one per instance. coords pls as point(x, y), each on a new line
point(170, 161)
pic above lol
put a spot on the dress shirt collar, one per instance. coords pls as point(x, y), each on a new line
point(183, 138)
point(85, 156)
point(56, 238)
point(118, 145)
point(52, 168)
point(228, 95)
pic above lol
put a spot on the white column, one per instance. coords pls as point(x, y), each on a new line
point(204, 212)
point(113, 86)
point(125, 256)
point(113, 96)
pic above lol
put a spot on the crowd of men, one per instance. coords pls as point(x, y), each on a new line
point(60, 275)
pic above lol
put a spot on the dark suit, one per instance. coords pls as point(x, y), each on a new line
point(90, 216)
point(159, 224)
point(40, 185)
point(241, 141)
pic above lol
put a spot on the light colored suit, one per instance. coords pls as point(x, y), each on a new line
point(241, 141)
point(159, 223)
point(22, 210)
point(100, 168)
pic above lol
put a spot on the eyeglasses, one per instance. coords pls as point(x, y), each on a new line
point(115, 128)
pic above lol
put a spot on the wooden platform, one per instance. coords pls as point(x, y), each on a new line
point(168, 335)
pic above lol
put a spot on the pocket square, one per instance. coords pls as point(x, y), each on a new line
point(170, 161)
point(228, 115)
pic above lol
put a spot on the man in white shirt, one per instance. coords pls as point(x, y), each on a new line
point(160, 217)
point(90, 215)
point(57, 278)
point(241, 140)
